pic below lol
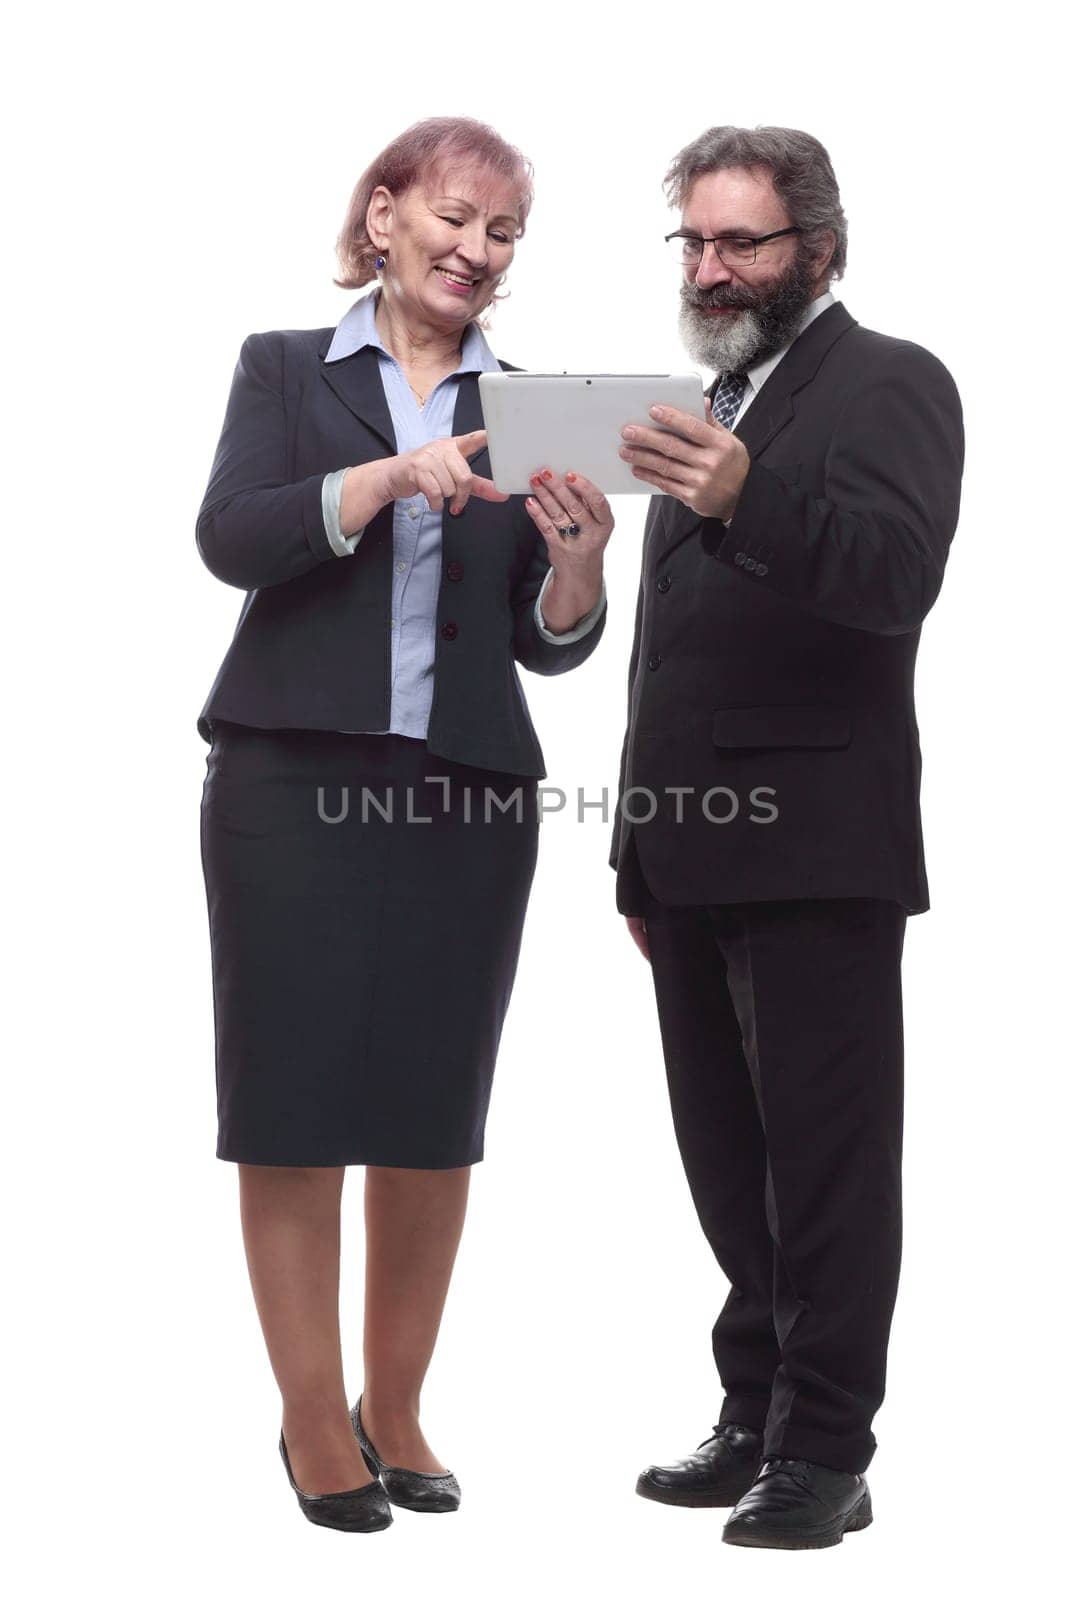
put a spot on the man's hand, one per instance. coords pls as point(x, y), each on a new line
point(700, 463)
point(636, 927)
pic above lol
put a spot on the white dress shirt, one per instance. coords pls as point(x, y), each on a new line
point(759, 374)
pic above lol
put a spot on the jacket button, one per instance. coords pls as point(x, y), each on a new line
point(653, 663)
point(750, 564)
point(664, 584)
point(761, 569)
point(455, 571)
point(449, 630)
point(739, 559)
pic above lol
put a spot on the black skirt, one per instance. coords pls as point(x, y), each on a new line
point(365, 901)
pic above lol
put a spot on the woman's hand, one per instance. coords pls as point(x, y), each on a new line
point(439, 470)
point(578, 559)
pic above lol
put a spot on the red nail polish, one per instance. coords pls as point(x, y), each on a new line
point(571, 476)
point(535, 478)
point(546, 475)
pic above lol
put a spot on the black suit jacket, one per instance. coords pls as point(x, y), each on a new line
point(773, 661)
point(311, 648)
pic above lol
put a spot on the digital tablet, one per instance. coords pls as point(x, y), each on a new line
point(571, 422)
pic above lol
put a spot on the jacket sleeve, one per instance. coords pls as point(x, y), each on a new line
point(530, 648)
point(617, 820)
point(869, 553)
point(583, 626)
point(255, 527)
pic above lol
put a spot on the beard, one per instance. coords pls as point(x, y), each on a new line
point(766, 319)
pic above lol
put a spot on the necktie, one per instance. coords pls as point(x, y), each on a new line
point(727, 400)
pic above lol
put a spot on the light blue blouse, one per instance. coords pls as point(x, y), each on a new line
point(417, 530)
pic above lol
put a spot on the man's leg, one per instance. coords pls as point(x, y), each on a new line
point(816, 986)
point(716, 1118)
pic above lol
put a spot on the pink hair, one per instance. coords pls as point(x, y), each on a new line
point(437, 142)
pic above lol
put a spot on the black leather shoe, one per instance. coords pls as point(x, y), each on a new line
point(363, 1510)
point(798, 1505)
point(718, 1473)
point(415, 1491)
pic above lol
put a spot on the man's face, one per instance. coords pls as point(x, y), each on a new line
point(732, 317)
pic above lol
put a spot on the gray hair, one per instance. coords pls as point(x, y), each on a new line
point(800, 169)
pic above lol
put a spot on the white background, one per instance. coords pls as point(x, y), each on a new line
point(176, 181)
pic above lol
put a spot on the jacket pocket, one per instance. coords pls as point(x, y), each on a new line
point(781, 728)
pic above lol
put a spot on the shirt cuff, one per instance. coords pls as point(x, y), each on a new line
point(331, 488)
point(583, 626)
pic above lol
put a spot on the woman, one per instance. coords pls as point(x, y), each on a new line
point(365, 912)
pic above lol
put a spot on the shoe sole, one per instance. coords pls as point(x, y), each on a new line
point(691, 1498)
point(813, 1539)
point(319, 1521)
point(435, 1511)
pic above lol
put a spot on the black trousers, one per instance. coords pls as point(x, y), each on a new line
point(782, 1030)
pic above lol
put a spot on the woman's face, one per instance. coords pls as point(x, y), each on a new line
point(447, 241)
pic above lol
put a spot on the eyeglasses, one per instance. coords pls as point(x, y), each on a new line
point(734, 250)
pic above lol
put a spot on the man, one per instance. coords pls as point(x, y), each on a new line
point(768, 845)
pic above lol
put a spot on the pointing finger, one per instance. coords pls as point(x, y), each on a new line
point(484, 489)
point(469, 443)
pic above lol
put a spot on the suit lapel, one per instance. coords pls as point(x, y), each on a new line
point(769, 412)
point(467, 414)
point(356, 380)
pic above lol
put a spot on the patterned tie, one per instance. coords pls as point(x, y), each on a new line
point(727, 400)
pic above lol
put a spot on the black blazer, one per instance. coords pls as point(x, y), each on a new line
point(774, 660)
point(311, 646)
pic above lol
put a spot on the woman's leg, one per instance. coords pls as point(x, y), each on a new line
point(414, 1220)
point(291, 1228)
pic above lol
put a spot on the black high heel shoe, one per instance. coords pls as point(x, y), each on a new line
point(415, 1491)
point(364, 1510)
